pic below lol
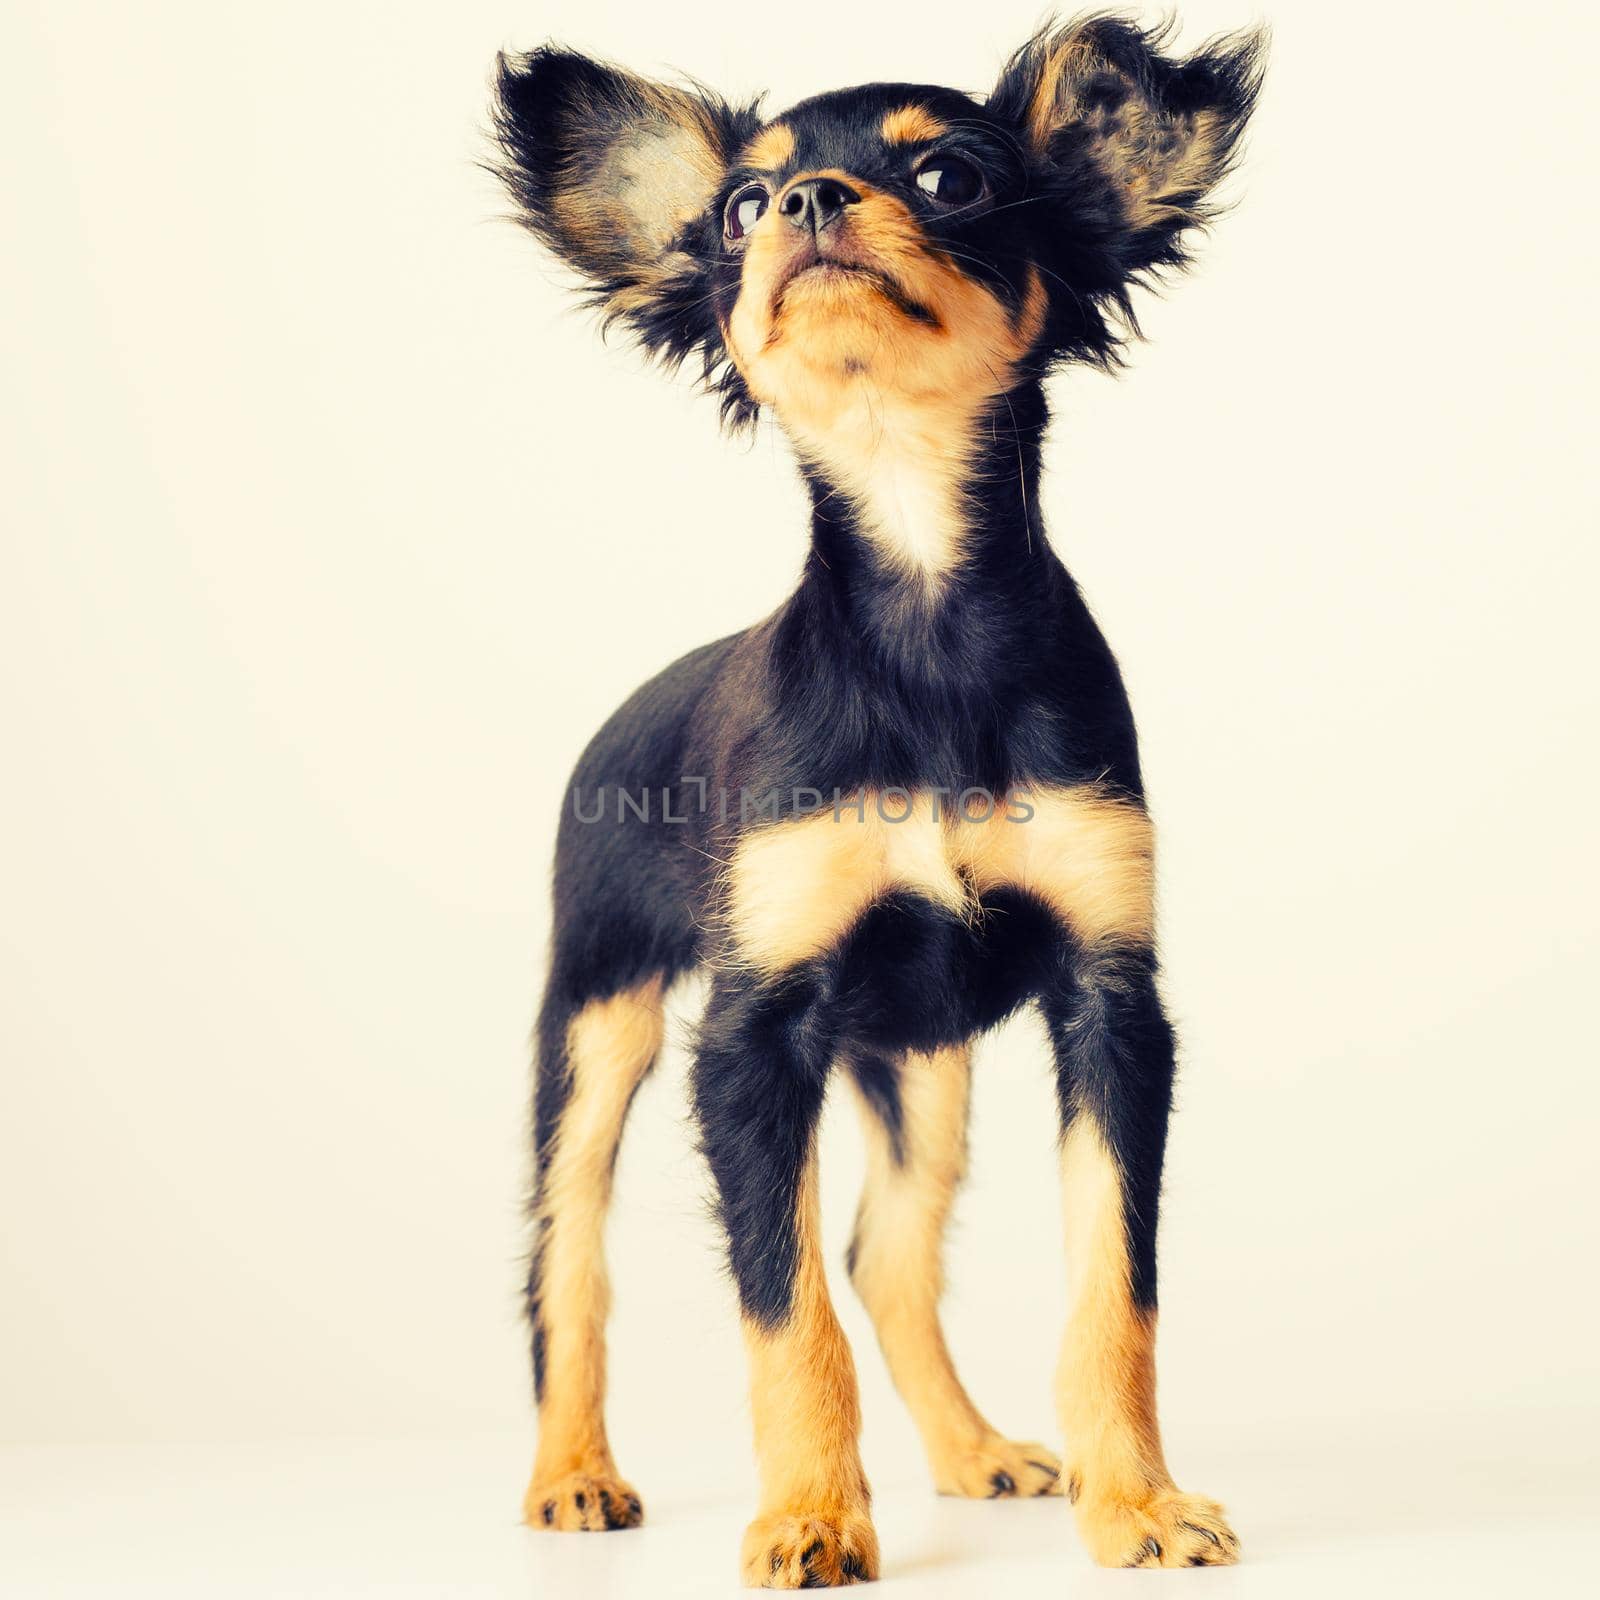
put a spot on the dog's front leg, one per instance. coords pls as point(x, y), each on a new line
point(1114, 1063)
point(759, 1079)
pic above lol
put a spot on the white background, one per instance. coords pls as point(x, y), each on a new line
point(332, 531)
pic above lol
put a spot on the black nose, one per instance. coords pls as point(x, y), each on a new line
point(816, 203)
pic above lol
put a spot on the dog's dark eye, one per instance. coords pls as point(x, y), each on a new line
point(745, 210)
point(951, 180)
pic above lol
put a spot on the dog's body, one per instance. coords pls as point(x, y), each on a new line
point(904, 805)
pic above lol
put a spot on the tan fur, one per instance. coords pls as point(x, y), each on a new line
point(897, 1269)
point(1152, 157)
point(771, 149)
point(610, 1046)
point(807, 1417)
point(1088, 855)
point(911, 125)
point(1156, 159)
point(886, 404)
point(794, 888)
point(1129, 1511)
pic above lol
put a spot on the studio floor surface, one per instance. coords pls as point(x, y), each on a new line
point(1450, 1508)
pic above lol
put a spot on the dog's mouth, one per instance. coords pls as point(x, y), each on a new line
point(814, 267)
point(825, 267)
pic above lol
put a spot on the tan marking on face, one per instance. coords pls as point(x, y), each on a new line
point(1129, 1511)
point(886, 405)
point(772, 148)
point(912, 125)
point(610, 1046)
point(807, 1416)
point(897, 1256)
point(795, 888)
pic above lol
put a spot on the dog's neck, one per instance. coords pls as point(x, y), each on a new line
point(926, 503)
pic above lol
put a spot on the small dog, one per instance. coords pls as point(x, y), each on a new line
point(908, 802)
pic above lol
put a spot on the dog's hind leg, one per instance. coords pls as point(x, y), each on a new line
point(915, 1116)
point(592, 1058)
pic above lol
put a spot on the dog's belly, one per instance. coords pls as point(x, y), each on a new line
point(930, 923)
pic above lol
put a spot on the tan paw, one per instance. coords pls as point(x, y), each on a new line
point(801, 1551)
point(999, 1469)
point(582, 1502)
point(1169, 1529)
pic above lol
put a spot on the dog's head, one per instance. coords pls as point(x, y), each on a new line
point(900, 239)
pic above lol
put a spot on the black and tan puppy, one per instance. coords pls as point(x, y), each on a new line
point(908, 802)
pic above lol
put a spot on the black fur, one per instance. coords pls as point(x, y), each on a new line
point(759, 1078)
point(878, 1078)
point(862, 680)
point(1114, 1063)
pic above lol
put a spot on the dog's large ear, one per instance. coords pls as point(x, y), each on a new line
point(616, 173)
point(1160, 132)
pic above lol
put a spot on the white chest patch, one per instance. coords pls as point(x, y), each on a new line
point(905, 479)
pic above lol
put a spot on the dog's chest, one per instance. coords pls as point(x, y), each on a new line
point(795, 889)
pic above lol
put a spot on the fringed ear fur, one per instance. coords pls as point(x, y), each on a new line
point(1161, 132)
point(617, 175)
